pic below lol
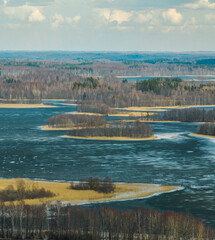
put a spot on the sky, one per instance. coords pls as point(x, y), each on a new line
point(107, 25)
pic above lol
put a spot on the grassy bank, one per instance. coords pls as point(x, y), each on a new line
point(123, 191)
point(17, 105)
point(201, 135)
point(113, 138)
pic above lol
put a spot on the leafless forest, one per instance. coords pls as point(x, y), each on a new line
point(78, 223)
point(95, 80)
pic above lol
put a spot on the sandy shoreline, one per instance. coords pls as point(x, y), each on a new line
point(201, 135)
point(47, 128)
point(112, 138)
point(119, 114)
point(69, 104)
point(124, 191)
point(15, 105)
point(162, 108)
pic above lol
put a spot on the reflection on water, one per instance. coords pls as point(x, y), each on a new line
point(175, 158)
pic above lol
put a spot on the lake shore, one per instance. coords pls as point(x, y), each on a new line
point(124, 191)
point(119, 114)
point(17, 105)
point(162, 108)
point(47, 128)
point(112, 138)
point(201, 135)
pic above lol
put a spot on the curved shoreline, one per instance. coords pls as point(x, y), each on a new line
point(112, 138)
point(23, 106)
point(123, 192)
point(201, 135)
point(47, 128)
point(119, 114)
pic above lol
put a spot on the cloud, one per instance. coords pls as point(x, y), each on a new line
point(200, 4)
point(73, 20)
point(5, 2)
point(24, 12)
point(120, 16)
point(210, 18)
point(172, 16)
point(104, 12)
point(114, 15)
point(145, 17)
point(36, 16)
point(57, 20)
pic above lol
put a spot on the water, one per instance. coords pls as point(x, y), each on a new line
point(204, 79)
point(175, 158)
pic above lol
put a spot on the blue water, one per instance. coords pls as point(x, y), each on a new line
point(175, 158)
point(204, 79)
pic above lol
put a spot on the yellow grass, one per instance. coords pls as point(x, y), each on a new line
point(113, 138)
point(86, 113)
point(151, 121)
point(201, 135)
point(162, 108)
point(119, 114)
point(16, 105)
point(69, 104)
point(64, 194)
point(47, 128)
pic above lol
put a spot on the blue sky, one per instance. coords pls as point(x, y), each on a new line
point(107, 25)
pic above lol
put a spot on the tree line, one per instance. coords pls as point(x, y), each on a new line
point(188, 115)
point(72, 120)
point(206, 129)
point(116, 129)
point(95, 184)
point(66, 222)
point(54, 84)
point(95, 107)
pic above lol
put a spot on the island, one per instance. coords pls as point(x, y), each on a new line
point(205, 130)
point(117, 131)
point(63, 193)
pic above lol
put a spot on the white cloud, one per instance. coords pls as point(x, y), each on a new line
point(172, 16)
point(145, 17)
point(210, 17)
point(24, 12)
point(104, 12)
point(200, 4)
point(114, 15)
point(5, 2)
point(120, 16)
point(36, 16)
point(73, 20)
point(57, 20)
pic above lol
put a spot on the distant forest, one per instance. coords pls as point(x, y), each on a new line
point(207, 129)
point(189, 115)
point(116, 129)
point(71, 120)
point(95, 107)
point(63, 222)
point(79, 80)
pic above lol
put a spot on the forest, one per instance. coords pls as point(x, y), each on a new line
point(95, 80)
point(116, 129)
point(206, 129)
point(188, 115)
point(81, 223)
point(71, 120)
point(95, 107)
